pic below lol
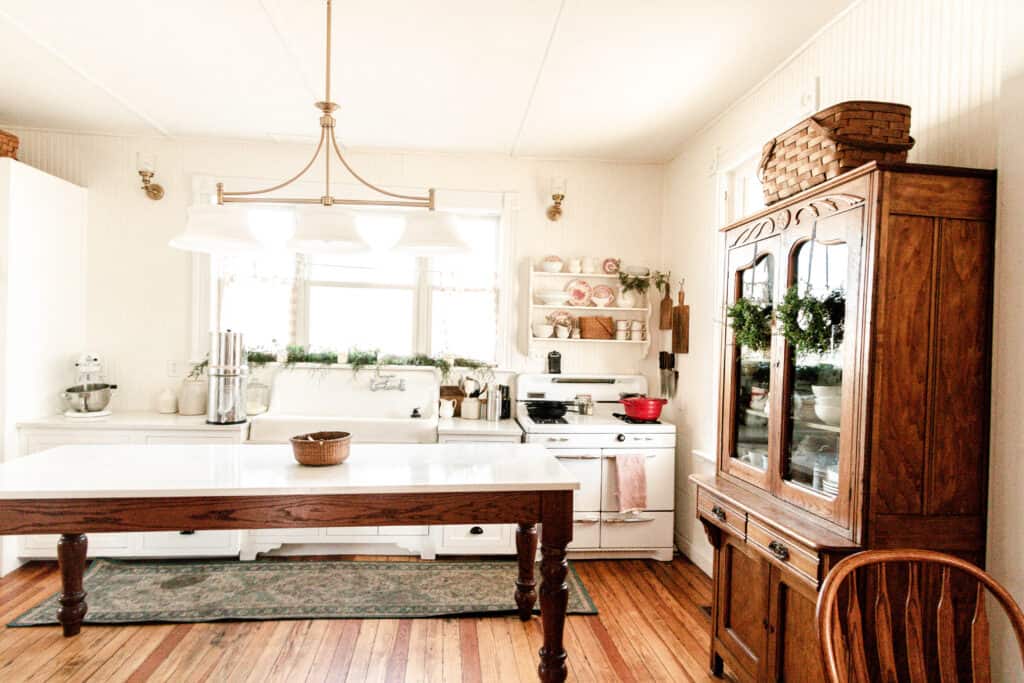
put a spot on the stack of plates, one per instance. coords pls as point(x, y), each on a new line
point(830, 488)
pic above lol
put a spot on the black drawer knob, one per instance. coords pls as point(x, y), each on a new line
point(476, 531)
point(778, 550)
point(719, 513)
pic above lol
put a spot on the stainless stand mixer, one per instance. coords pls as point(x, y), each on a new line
point(91, 393)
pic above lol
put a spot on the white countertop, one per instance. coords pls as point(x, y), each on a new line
point(130, 471)
point(454, 426)
point(132, 420)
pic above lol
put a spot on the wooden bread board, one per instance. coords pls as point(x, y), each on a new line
point(681, 326)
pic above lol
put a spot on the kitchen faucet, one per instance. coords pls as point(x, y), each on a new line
point(386, 383)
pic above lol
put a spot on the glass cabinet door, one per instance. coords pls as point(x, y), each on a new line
point(748, 373)
point(818, 322)
point(815, 417)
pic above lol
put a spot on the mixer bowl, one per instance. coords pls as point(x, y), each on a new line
point(88, 398)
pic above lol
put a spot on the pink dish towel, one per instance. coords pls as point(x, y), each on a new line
point(631, 472)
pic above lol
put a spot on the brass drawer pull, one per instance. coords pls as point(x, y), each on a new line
point(719, 513)
point(778, 550)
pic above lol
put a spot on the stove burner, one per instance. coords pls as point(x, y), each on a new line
point(633, 421)
point(549, 420)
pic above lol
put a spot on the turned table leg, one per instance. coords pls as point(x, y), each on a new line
point(71, 550)
point(526, 584)
point(556, 532)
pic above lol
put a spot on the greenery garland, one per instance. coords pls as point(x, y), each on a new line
point(810, 324)
point(751, 324)
point(634, 283)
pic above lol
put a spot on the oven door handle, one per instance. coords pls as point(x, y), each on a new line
point(628, 520)
point(612, 456)
point(576, 456)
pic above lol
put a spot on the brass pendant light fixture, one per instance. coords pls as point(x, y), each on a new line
point(327, 142)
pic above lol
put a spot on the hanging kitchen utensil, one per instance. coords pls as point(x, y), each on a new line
point(665, 318)
point(681, 323)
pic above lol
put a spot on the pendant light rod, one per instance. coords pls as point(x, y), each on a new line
point(327, 109)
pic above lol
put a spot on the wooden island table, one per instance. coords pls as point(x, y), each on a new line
point(76, 490)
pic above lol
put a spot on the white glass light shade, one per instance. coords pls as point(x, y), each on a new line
point(217, 230)
point(326, 230)
point(430, 233)
point(272, 226)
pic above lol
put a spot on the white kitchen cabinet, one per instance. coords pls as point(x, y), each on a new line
point(477, 539)
point(128, 428)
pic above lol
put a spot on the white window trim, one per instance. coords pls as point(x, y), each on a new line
point(204, 296)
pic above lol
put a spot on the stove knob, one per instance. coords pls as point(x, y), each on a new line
point(620, 437)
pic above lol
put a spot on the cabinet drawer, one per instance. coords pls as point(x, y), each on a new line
point(586, 531)
point(351, 531)
point(403, 531)
point(721, 514)
point(784, 550)
point(99, 545)
point(643, 530)
point(199, 542)
point(659, 465)
point(478, 538)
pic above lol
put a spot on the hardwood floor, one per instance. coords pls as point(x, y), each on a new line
point(651, 628)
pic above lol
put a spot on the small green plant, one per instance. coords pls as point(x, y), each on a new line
point(199, 368)
point(811, 324)
point(258, 359)
point(634, 283)
point(751, 324)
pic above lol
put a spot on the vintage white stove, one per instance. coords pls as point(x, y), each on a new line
point(588, 445)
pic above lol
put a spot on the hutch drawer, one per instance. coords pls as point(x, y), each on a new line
point(785, 550)
point(721, 514)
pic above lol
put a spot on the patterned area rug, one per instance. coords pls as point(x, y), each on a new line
point(192, 591)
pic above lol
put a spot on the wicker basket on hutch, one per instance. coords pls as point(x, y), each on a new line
point(831, 142)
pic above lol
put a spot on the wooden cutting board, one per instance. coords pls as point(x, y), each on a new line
point(665, 314)
point(681, 325)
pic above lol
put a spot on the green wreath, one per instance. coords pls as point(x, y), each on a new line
point(810, 324)
point(751, 324)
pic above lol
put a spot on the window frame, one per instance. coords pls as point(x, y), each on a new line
point(205, 304)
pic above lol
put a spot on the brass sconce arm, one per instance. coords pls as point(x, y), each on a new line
point(154, 191)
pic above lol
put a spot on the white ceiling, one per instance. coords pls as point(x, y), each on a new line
point(608, 79)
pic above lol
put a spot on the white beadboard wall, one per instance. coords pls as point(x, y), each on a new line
point(939, 56)
point(139, 288)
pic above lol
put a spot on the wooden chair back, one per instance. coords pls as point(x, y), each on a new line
point(919, 607)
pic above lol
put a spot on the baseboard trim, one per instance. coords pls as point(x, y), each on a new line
point(699, 554)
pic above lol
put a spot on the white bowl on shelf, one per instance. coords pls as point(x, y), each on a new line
point(829, 410)
point(551, 297)
point(826, 391)
point(543, 330)
point(550, 265)
point(602, 301)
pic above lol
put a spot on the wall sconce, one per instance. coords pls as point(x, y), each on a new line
point(146, 163)
point(557, 195)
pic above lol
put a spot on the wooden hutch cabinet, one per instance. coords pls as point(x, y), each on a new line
point(880, 442)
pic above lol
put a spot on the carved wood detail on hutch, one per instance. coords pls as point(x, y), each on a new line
point(879, 442)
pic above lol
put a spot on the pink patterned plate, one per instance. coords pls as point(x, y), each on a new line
point(579, 292)
point(602, 295)
point(610, 266)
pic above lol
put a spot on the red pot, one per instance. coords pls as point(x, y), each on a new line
point(643, 408)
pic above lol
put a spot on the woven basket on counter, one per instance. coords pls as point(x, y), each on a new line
point(831, 142)
point(597, 327)
point(321, 448)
